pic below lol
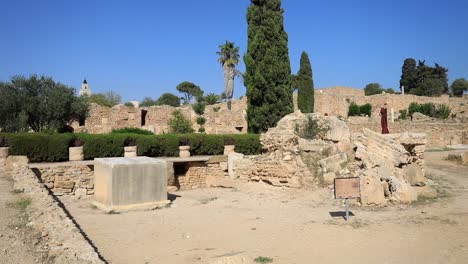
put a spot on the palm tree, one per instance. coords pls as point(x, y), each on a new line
point(229, 58)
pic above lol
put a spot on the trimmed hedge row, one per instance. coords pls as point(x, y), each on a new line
point(41, 147)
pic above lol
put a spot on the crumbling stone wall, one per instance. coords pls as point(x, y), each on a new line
point(438, 133)
point(73, 179)
point(63, 240)
point(219, 120)
point(200, 174)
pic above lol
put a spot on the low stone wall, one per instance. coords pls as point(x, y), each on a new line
point(69, 178)
point(438, 134)
point(199, 175)
point(64, 241)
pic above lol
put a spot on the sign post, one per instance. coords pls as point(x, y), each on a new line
point(347, 188)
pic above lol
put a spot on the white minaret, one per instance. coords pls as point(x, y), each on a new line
point(85, 91)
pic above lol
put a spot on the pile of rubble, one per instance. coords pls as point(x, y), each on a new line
point(391, 167)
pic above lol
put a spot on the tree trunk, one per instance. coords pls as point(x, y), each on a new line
point(229, 74)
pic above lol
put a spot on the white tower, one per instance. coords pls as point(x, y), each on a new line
point(85, 91)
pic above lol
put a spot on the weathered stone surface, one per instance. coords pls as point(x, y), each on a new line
point(184, 151)
point(128, 183)
point(4, 152)
point(232, 165)
point(228, 149)
point(418, 117)
point(64, 184)
point(223, 165)
point(334, 163)
point(372, 191)
point(338, 129)
point(403, 192)
point(464, 158)
point(75, 154)
point(329, 177)
point(414, 175)
point(130, 151)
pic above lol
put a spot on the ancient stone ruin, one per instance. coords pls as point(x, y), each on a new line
point(391, 167)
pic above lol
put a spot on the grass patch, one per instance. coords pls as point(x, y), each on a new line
point(263, 260)
point(21, 204)
point(113, 212)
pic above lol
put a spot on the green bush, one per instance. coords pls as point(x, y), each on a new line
point(354, 109)
point(365, 109)
point(40, 147)
point(199, 108)
point(312, 129)
point(132, 130)
point(201, 129)
point(430, 109)
point(403, 114)
point(443, 111)
point(413, 108)
point(201, 120)
point(179, 124)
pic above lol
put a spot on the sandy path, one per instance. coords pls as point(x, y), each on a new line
point(290, 226)
point(15, 238)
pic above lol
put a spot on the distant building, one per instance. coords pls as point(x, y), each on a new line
point(85, 91)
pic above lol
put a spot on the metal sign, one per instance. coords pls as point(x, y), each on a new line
point(347, 188)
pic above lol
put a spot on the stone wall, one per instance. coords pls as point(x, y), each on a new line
point(73, 179)
point(64, 241)
point(438, 133)
point(198, 175)
point(219, 120)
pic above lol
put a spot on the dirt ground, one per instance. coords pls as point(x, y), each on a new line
point(288, 226)
point(18, 244)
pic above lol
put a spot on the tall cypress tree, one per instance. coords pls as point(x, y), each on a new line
point(408, 75)
point(268, 69)
point(305, 85)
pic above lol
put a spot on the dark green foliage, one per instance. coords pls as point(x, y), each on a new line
point(365, 109)
point(108, 99)
point(201, 120)
point(131, 130)
point(354, 110)
point(102, 146)
point(428, 81)
point(459, 86)
point(408, 75)
point(305, 85)
point(403, 114)
point(3, 141)
point(189, 90)
point(312, 129)
point(164, 99)
point(429, 109)
point(359, 110)
point(373, 88)
point(390, 91)
point(129, 104)
point(268, 70)
point(201, 129)
point(40, 147)
point(37, 103)
point(147, 102)
point(212, 99)
point(199, 107)
point(179, 124)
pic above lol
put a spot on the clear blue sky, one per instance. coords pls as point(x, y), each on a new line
point(145, 48)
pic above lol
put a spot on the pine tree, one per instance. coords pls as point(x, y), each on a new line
point(268, 69)
point(408, 75)
point(305, 85)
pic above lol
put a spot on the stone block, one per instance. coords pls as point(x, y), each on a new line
point(414, 175)
point(223, 166)
point(130, 151)
point(464, 158)
point(372, 191)
point(64, 184)
point(4, 152)
point(232, 157)
point(329, 177)
point(130, 183)
point(75, 153)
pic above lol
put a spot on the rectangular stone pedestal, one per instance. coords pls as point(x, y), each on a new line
point(122, 184)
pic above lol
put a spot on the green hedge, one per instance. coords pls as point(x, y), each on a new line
point(40, 147)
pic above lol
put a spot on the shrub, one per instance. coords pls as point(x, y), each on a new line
point(216, 109)
point(76, 142)
point(3, 142)
point(39, 147)
point(201, 120)
point(129, 104)
point(229, 140)
point(403, 114)
point(365, 109)
point(199, 108)
point(354, 109)
point(413, 108)
point(443, 111)
point(312, 129)
point(132, 130)
point(179, 124)
point(201, 129)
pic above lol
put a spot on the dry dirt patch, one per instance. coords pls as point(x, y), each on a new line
point(286, 226)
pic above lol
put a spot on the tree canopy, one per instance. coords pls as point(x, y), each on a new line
point(189, 91)
point(268, 70)
point(108, 99)
point(424, 80)
point(373, 88)
point(305, 85)
point(459, 86)
point(38, 103)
